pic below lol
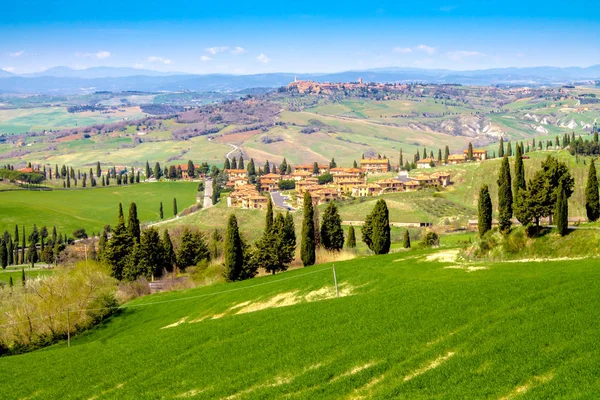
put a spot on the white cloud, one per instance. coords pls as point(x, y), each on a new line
point(263, 59)
point(217, 49)
point(102, 54)
point(459, 55)
point(17, 53)
point(9, 69)
point(237, 50)
point(99, 55)
point(206, 58)
point(159, 60)
point(402, 50)
point(427, 49)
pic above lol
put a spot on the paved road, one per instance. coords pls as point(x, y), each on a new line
point(207, 194)
point(232, 151)
point(280, 201)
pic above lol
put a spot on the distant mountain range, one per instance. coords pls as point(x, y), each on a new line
point(64, 80)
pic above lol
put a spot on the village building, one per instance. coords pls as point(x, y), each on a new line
point(366, 190)
point(346, 186)
point(454, 159)
point(442, 177)
point(323, 168)
point(390, 185)
point(268, 185)
point(425, 180)
point(427, 163)
point(374, 165)
point(236, 173)
point(411, 185)
point(478, 154)
point(246, 196)
point(301, 186)
point(300, 175)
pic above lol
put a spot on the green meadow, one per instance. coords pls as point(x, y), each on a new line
point(406, 325)
point(91, 209)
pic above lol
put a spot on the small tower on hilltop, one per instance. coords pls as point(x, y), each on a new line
point(360, 81)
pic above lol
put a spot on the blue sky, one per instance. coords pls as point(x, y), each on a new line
point(308, 36)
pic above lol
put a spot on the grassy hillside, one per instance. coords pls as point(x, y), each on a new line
point(91, 209)
point(405, 326)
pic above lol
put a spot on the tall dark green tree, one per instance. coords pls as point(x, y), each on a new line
point(148, 172)
point(169, 256)
point(269, 216)
point(501, 148)
point(99, 169)
point(118, 247)
point(315, 168)
point(234, 163)
point(175, 212)
point(289, 230)
point(192, 249)
point(251, 168)
point(519, 182)
point(484, 208)
point(332, 164)
point(562, 210)
point(160, 211)
point(332, 234)
point(3, 254)
point(23, 247)
point(191, 169)
point(308, 245)
point(226, 164)
point(151, 254)
point(241, 162)
point(446, 154)
point(267, 168)
point(16, 243)
point(505, 198)
point(234, 251)
point(133, 224)
point(470, 152)
point(158, 172)
point(509, 149)
point(406, 240)
point(351, 242)
point(592, 201)
point(376, 229)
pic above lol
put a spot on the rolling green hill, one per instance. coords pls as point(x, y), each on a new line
point(405, 326)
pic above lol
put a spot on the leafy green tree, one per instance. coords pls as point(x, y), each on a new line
point(133, 224)
point(174, 206)
point(484, 208)
point(118, 247)
point(501, 148)
point(151, 254)
point(376, 229)
point(555, 172)
point(332, 164)
point(592, 201)
point(332, 234)
point(431, 239)
point(157, 172)
point(562, 211)
point(273, 252)
point(289, 230)
point(505, 198)
point(351, 242)
point(308, 245)
point(192, 249)
point(406, 240)
point(234, 252)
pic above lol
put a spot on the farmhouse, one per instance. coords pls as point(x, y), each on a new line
point(246, 196)
point(390, 185)
point(442, 177)
point(366, 190)
point(427, 163)
point(374, 165)
point(310, 168)
point(268, 185)
point(184, 170)
point(236, 173)
point(454, 159)
point(478, 154)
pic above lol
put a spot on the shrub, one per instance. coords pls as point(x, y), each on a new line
point(431, 239)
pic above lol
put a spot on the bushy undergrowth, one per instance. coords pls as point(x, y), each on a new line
point(45, 309)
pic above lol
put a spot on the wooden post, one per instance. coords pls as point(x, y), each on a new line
point(337, 293)
point(68, 328)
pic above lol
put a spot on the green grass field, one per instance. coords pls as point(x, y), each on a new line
point(91, 209)
point(405, 327)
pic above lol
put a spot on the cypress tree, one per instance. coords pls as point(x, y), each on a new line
point(10, 251)
point(234, 163)
point(119, 247)
point(308, 247)
point(283, 166)
point(592, 200)
point(160, 211)
point(151, 255)
point(484, 208)
point(376, 229)
point(241, 162)
point(406, 241)
point(23, 245)
point(439, 155)
point(509, 149)
point(562, 210)
point(174, 206)
point(446, 154)
point(157, 172)
point(351, 241)
point(234, 254)
point(470, 152)
point(23, 276)
point(10, 281)
point(147, 170)
point(315, 168)
point(99, 170)
point(102, 242)
point(168, 252)
point(3, 254)
point(519, 182)
point(226, 164)
point(332, 234)
point(251, 168)
point(505, 198)
point(289, 231)
point(16, 243)
point(267, 169)
point(133, 225)
point(269, 216)
point(501, 148)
